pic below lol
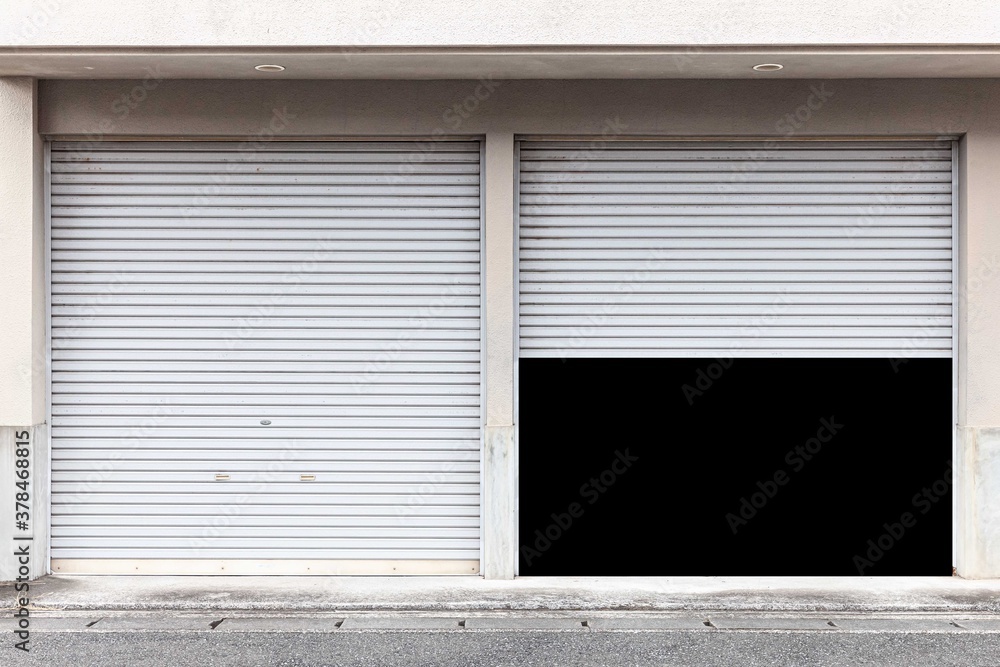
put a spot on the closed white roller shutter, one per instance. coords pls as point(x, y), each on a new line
point(266, 354)
point(792, 249)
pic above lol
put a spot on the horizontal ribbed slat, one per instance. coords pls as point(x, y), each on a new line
point(826, 249)
point(269, 353)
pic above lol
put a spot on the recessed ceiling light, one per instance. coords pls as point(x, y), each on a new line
point(269, 68)
point(768, 67)
point(87, 67)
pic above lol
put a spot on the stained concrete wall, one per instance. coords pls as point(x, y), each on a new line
point(496, 23)
point(24, 527)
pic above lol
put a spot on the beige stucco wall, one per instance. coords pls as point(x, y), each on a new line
point(22, 333)
point(498, 22)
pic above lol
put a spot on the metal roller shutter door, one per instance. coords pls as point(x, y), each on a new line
point(698, 249)
point(298, 309)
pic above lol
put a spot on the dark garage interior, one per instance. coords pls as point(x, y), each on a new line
point(699, 467)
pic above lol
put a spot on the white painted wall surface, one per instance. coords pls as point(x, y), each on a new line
point(196, 23)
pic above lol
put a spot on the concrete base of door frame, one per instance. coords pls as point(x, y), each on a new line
point(262, 568)
point(464, 594)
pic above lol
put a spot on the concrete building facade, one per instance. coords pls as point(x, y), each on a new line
point(182, 81)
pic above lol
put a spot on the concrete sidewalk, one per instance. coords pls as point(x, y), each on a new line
point(471, 594)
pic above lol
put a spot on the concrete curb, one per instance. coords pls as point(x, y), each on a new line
point(469, 595)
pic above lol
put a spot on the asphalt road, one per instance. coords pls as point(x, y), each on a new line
point(484, 649)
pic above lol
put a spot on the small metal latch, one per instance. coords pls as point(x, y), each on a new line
point(221, 478)
point(308, 478)
point(265, 422)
